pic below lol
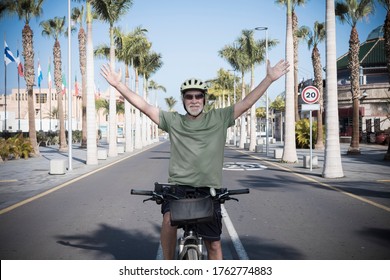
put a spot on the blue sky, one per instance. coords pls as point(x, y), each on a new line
point(188, 34)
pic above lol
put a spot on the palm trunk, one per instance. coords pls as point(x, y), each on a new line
point(355, 89)
point(83, 62)
point(387, 49)
point(252, 144)
point(143, 116)
point(58, 83)
point(289, 151)
point(243, 116)
point(332, 163)
point(91, 111)
point(112, 148)
point(29, 75)
point(296, 82)
point(138, 140)
point(128, 117)
point(318, 84)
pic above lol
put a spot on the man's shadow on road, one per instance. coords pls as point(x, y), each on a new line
point(111, 241)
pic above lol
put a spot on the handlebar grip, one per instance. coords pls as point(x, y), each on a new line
point(141, 192)
point(239, 191)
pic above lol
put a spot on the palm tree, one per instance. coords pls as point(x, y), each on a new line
point(104, 104)
point(332, 163)
point(156, 87)
point(54, 28)
point(92, 158)
point(314, 37)
point(289, 151)
point(386, 5)
point(222, 85)
point(296, 38)
point(77, 16)
point(26, 10)
point(171, 102)
point(352, 11)
point(239, 61)
point(110, 11)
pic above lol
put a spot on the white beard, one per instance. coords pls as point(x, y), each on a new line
point(194, 111)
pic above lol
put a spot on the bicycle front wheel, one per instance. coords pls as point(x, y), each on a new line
point(192, 254)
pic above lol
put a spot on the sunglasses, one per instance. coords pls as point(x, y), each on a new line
point(191, 96)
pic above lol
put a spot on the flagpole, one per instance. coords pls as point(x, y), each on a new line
point(70, 93)
point(5, 95)
point(40, 78)
point(50, 97)
point(40, 110)
point(5, 92)
point(17, 73)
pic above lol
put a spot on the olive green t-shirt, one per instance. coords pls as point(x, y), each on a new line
point(197, 146)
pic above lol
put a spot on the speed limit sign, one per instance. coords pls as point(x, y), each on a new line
point(310, 94)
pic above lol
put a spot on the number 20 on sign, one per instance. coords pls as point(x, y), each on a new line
point(310, 94)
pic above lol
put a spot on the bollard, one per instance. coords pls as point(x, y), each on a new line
point(57, 166)
point(102, 154)
point(121, 149)
point(259, 148)
point(278, 153)
point(306, 162)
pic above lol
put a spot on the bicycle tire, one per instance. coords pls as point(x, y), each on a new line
point(192, 254)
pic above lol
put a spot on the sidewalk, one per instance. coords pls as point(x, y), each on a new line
point(22, 179)
point(368, 166)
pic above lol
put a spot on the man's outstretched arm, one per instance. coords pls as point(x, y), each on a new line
point(273, 73)
point(114, 79)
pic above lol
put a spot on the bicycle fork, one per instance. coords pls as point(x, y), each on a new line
point(190, 241)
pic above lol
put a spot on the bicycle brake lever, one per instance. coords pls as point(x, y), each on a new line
point(233, 198)
point(151, 198)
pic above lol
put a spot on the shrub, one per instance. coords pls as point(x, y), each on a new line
point(15, 147)
point(302, 133)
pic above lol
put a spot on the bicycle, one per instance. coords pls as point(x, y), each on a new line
point(189, 207)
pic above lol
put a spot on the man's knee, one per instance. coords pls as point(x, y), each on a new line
point(166, 220)
point(214, 249)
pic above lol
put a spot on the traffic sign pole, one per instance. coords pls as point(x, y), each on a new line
point(310, 96)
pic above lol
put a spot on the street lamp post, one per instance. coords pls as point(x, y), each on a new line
point(266, 92)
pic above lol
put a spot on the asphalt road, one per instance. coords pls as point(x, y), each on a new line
point(284, 217)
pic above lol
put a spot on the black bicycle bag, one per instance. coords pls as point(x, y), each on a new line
point(191, 211)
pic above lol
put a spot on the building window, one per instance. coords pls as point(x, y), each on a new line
point(41, 98)
point(377, 125)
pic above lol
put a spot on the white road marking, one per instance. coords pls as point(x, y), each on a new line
point(233, 235)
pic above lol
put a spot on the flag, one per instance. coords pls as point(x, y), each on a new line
point(40, 75)
point(49, 77)
point(76, 87)
point(63, 84)
point(20, 65)
point(8, 55)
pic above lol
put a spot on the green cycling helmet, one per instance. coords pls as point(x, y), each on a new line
point(193, 83)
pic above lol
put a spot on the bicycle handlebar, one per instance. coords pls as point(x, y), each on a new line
point(159, 197)
point(140, 192)
point(239, 191)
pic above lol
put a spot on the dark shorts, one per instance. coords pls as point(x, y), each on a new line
point(209, 231)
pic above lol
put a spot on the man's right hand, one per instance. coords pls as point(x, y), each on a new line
point(112, 77)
